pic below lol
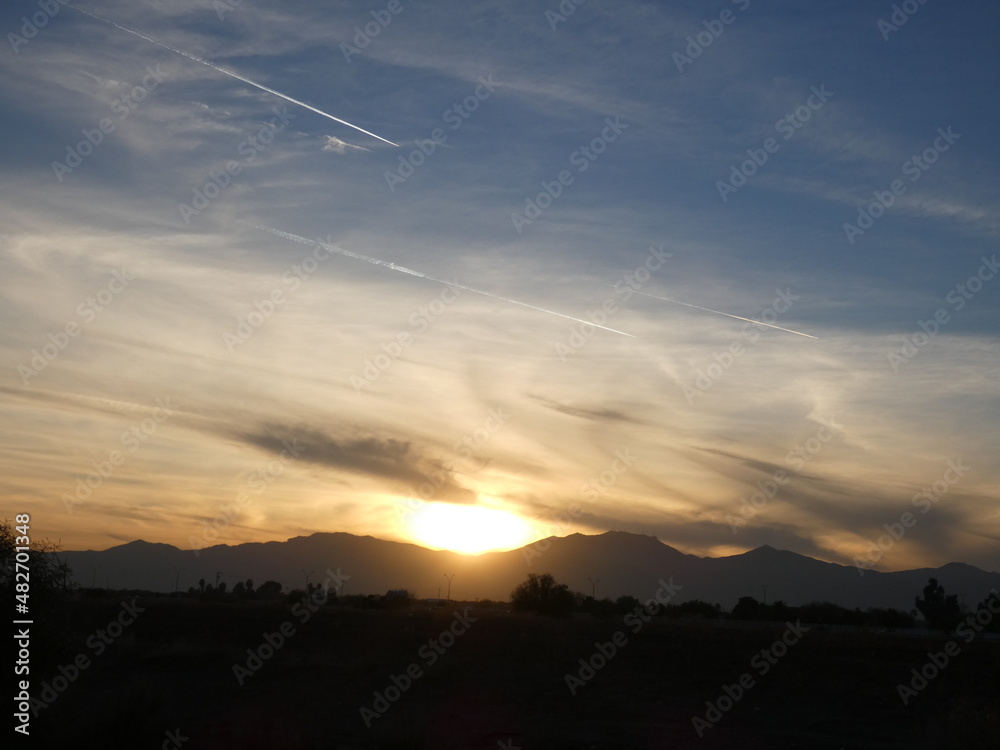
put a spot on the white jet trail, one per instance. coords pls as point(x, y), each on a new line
point(237, 76)
point(719, 312)
point(418, 274)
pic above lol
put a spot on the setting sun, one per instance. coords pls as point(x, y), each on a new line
point(468, 528)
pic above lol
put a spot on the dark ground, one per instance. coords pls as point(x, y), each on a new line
point(501, 685)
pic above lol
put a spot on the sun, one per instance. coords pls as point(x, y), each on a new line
point(469, 529)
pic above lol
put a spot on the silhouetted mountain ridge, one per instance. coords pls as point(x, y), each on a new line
point(611, 564)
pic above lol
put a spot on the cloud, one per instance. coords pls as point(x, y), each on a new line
point(387, 458)
point(337, 146)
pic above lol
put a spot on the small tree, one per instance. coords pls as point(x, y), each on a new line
point(37, 581)
point(541, 594)
point(940, 610)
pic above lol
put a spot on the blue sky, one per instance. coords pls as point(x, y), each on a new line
point(382, 381)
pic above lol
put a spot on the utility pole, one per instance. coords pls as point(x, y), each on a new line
point(593, 587)
point(763, 586)
point(448, 578)
point(177, 578)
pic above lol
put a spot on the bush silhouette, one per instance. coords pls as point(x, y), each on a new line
point(940, 610)
point(541, 594)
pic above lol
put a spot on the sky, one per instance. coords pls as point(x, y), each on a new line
point(228, 317)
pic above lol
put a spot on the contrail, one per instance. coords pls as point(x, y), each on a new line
point(719, 312)
point(418, 274)
point(237, 76)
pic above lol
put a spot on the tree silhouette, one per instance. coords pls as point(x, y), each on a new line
point(747, 608)
point(541, 594)
point(37, 579)
point(940, 610)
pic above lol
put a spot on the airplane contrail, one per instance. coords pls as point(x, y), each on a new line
point(419, 274)
point(237, 76)
point(719, 312)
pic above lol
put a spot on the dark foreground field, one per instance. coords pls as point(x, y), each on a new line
point(167, 680)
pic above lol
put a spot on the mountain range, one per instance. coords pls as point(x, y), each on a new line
point(609, 565)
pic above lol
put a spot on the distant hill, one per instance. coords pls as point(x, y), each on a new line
point(619, 562)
